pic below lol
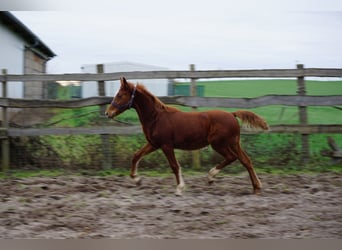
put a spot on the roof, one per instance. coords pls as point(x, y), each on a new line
point(26, 34)
point(122, 66)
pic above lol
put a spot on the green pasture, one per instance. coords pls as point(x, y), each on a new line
point(274, 114)
point(270, 152)
point(254, 88)
point(165, 172)
point(277, 114)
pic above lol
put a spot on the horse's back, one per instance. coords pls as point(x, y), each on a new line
point(221, 116)
point(223, 121)
point(208, 126)
point(206, 121)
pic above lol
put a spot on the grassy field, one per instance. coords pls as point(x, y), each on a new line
point(161, 172)
point(275, 114)
point(254, 88)
point(282, 151)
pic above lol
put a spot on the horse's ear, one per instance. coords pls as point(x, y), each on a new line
point(123, 82)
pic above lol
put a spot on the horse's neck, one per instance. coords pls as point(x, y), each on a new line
point(145, 108)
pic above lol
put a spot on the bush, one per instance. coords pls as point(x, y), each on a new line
point(269, 151)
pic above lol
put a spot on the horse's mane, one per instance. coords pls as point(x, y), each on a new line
point(155, 100)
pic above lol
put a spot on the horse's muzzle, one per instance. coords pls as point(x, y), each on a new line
point(109, 116)
point(112, 113)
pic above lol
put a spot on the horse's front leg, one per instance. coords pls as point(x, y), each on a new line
point(145, 150)
point(170, 155)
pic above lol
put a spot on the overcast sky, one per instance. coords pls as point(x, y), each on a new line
point(173, 34)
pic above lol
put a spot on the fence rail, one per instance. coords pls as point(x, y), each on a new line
point(224, 102)
point(130, 130)
point(263, 73)
point(301, 100)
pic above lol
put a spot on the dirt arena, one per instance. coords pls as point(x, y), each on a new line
point(291, 206)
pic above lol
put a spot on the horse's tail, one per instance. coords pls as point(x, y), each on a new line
point(251, 119)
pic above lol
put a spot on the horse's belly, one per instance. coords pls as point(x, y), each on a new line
point(191, 141)
point(191, 146)
point(192, 132)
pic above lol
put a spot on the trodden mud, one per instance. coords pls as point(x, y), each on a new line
point(291, 206)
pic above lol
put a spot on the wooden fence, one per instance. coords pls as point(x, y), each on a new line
point(301, 100)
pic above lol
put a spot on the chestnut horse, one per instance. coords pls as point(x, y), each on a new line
point(167, 128)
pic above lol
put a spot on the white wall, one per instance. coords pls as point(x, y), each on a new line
point(158, 87)
point(12, 59)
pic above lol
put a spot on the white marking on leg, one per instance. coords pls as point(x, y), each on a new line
point(136, 179)
point(181, 181)
point(181, 185)
point(135, 172)
point(212, 173)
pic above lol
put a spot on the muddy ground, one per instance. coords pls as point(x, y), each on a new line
point(291, 206)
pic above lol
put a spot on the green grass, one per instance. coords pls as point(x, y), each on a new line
point(75, 117)
point(254, 88)
point(166, 172)
point(278, 114)
point(280, 150)
point(32, 173)
point(274, 114)
point(248, 88)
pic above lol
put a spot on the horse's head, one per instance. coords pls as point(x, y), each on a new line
point(123, 100)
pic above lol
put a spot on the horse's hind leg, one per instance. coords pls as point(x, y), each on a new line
point(229, 157)
point(246, 161)
point(215, 170)
point(145, 150)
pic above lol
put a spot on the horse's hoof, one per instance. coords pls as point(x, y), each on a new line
point(210, 182)
point(137, 180)
point(179, 190)
point(210, 179)
point(178, 193)
point(257, 191)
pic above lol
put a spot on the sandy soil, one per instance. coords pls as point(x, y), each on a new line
point(293, 206)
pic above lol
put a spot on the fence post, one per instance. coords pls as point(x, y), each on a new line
point(101, 87)
point(107, 158)
point(196, 160)
point(303, 116)
point(5, 154)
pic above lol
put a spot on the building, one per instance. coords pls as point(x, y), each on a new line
point(159, 87)
point(22, 52)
